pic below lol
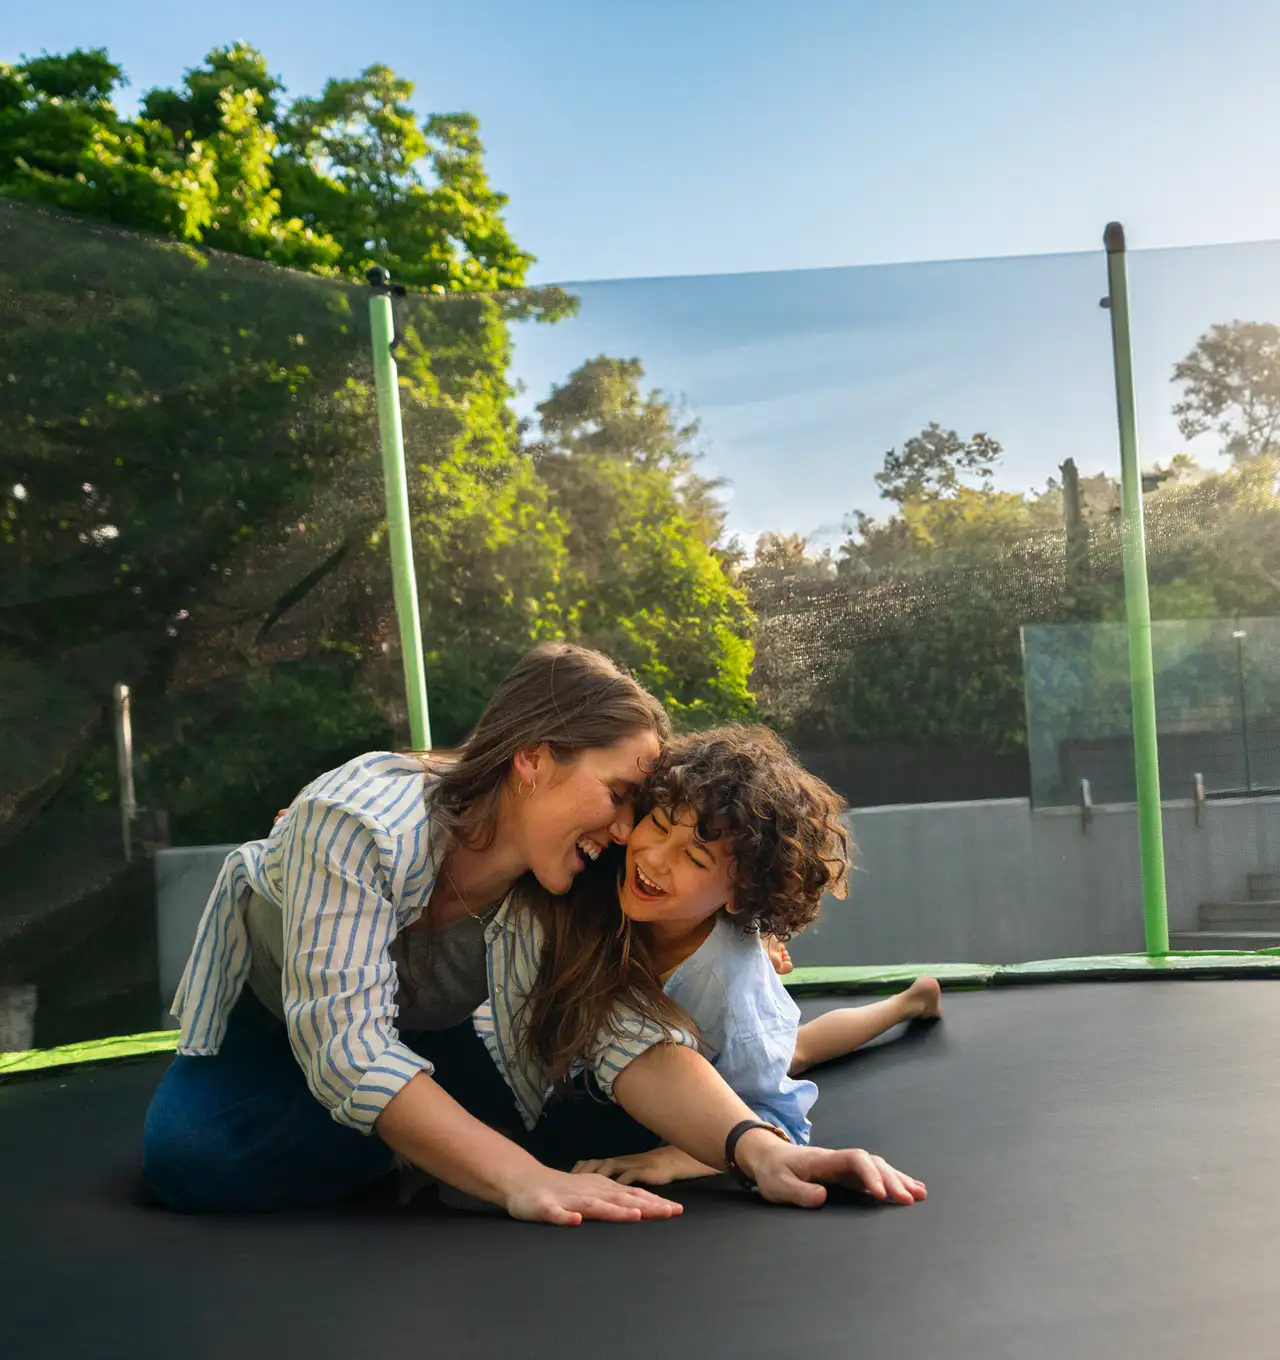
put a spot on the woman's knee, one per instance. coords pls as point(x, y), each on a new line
point(187, 1161)
point(213, 1145)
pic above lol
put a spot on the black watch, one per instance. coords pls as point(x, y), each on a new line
point(731, 1148)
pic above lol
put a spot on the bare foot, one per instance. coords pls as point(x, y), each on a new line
point(923, 999)
point(778, 956)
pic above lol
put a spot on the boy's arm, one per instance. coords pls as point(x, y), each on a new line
point(680, 1096)
point(755, 1067)
point(660, 1166)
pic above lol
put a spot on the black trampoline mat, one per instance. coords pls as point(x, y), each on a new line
point(1103, 1163)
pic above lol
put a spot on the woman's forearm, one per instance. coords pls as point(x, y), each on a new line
point(677, 1094)
point(426, 1125)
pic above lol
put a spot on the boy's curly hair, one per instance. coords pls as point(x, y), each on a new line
point(782, 823)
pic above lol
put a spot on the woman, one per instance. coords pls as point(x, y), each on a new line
point(358, 926)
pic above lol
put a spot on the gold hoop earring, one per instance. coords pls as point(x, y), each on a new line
point(533, 788)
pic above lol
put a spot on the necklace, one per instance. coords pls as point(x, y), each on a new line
point(481, 915)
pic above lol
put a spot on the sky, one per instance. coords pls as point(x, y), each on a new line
point(742, 193)
point(662, 137)
point(803, 379)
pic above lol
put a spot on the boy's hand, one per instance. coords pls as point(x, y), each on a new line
point(659, 1167)
point(786, 1173)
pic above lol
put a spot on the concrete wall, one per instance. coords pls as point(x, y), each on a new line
point(989, 882)
point(184, 879)
point(995, 882)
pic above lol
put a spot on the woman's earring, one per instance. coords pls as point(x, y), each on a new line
point(533, 788)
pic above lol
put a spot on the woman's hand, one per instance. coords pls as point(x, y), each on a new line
point(785, 1173)
point(661, 1166)
point(559, 1197)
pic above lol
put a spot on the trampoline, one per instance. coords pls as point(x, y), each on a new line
point(1102, 1166)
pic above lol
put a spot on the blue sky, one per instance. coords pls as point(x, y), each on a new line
point(688, 137)
point(802, 379)
point(774, 158)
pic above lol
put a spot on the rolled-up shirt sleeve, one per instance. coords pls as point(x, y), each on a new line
point(515, 943)
point(339, 980)
point(627, 1037)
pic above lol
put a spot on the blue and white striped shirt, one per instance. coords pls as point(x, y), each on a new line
point(352, 864)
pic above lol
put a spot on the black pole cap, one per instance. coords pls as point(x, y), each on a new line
point(378, 276)
point(1113, 238)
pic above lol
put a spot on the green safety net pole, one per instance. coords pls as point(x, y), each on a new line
point(1137, 607)
point(404, 582)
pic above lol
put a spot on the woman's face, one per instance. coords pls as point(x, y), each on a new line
point(577, 807)
point(674, 879)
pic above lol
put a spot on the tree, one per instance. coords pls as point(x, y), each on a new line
point(914, 637)
point(1231, 385)
point(934, 462)
point(62, 143)
point(352, 159)
point(191, 497)
point(788, 553)
point(938, 516)
point(647, 582)
point(194, 112)
point(328, 184)
point(786, 585)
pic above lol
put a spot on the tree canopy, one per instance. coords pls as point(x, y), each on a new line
point(1231, 386)
point(331, 184)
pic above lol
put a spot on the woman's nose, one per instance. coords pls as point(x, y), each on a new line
point(623, 824)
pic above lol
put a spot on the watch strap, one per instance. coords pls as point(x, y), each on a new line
point(731, 1147)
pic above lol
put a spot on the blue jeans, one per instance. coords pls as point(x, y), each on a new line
point(240, 1132)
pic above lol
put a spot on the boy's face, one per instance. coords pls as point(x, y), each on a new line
point(673, 878)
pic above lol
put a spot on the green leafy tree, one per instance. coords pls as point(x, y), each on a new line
point(647, 581)
point(196, 165)
point(194, 112)
point(191, 499)
point(934, 462)
point(787, 586)
point(917, 639)
point(412, 196)
point(913, 637)
point(1231, 386)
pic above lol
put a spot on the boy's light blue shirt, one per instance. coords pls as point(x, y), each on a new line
point(748, 1024)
